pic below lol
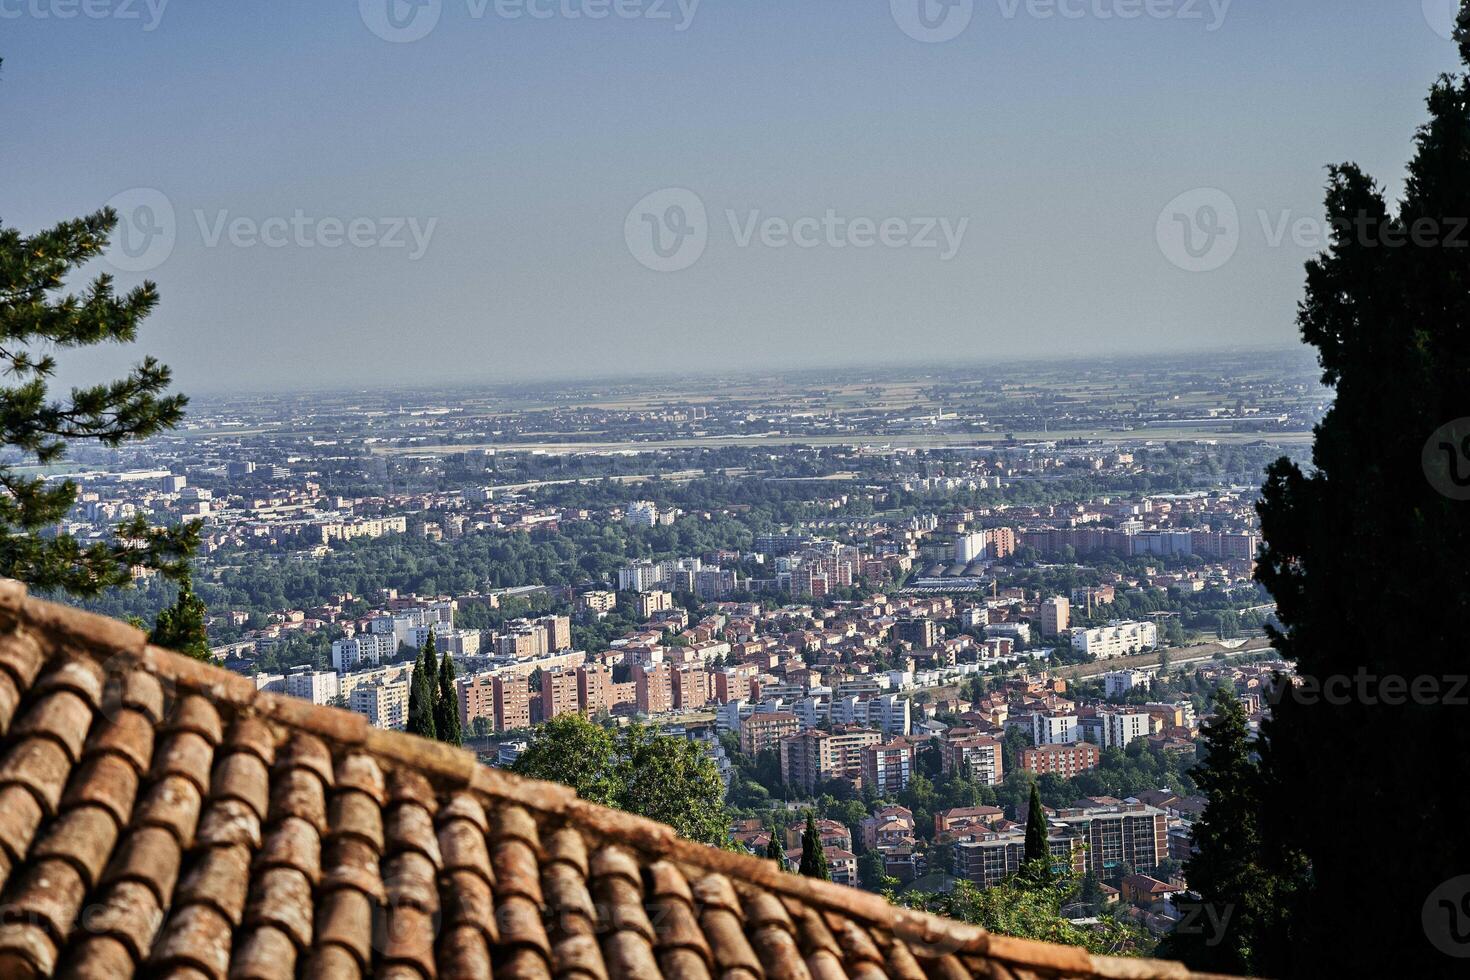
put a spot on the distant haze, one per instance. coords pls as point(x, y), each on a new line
point(405, 191)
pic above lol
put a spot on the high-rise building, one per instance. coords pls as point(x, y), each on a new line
point(977, 757)
point(1056, 616)
point(887, 768)
point(595, 688)
point(655, 688)
point(765, 729)
point(558, 693)
point(512, 703)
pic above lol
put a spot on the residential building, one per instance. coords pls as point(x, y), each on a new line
point(978, 758)
point(1061, 760)
point(1117, 639)
point(764, 730)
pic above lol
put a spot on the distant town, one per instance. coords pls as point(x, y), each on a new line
point(897, 600)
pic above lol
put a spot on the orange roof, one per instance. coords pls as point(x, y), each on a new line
point(161, 815)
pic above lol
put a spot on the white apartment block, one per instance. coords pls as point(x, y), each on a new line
point(385, 705)
point(1118, 682)
point(1018, 632)
point(1053, 729)
point(968, 548)
point(1122, 727)
point(1117, 639)
point(363, 650)
point(316, 686)
point(642, 513)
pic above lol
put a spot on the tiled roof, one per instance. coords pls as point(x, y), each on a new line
point(161, 817)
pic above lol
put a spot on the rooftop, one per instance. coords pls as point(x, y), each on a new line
point(160, 814)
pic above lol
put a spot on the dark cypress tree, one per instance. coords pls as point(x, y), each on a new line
point(1241, 900)
point(774, 850)
point(1379, 719)
point(421, 692)
point(1036, 830)
point(446, 705)
point(183, 627)
point(813, 858)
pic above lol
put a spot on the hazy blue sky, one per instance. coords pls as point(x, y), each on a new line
point(1048, 139)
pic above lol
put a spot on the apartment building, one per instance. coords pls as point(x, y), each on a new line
point(1121, 727)
point(1117, 639)
point(888, 768)
point(512, 703)
point(1053, 728)
point(814, 756)
point(316, 686)
point(1056, 616)
point(764, 730)
point(978, 758)
point(558, 693)
point(384, 704)
point(1061, 760)
point(595, 688)
point(654, 688)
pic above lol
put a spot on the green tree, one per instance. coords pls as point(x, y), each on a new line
point(1240, 900)
point(572, 751)
point(1036, 830)
point(673, 781)
point(1387, 308)
point(183, 627)
point(660, 777)
point(774, 850)
point(422, 688)
point(813, 858)
point(38, 317)
point(446, 705)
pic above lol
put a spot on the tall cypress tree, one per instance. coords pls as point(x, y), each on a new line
point(1379, 718)
point(1036, 830)
point(446, 705)
point(774, 850)
point(422, 689)
point(813, 858)
point(1241, 898)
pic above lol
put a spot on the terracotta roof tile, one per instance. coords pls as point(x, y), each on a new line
point(161, 817)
